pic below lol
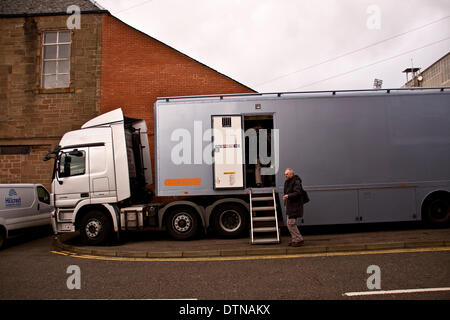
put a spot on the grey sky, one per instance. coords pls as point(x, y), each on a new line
point(268, 44)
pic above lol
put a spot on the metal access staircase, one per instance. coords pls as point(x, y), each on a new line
point(263, 217)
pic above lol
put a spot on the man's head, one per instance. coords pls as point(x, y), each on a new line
point(289, 173)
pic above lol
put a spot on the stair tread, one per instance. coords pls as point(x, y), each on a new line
point(265, 229)
point(262, 198)
point(270, 218)
point(262, 208)
point(265, 240)
point(257, 198)
point(261, 191)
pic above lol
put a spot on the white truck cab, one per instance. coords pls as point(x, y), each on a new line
point(96, 168)
point(23, 206)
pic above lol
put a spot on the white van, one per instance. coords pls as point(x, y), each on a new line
point(23, 206)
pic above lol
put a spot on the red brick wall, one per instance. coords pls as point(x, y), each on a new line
point(136, 69)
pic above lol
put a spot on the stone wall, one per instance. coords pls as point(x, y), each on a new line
point(36, 117)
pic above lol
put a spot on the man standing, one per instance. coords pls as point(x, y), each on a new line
point(294, 205)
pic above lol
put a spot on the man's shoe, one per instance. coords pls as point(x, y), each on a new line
point(297, 244)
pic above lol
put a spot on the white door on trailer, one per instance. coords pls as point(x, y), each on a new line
point(228, 155)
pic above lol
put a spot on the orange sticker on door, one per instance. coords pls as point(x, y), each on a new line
point(183, 182)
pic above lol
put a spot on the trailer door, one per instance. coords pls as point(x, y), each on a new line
point(228, 170)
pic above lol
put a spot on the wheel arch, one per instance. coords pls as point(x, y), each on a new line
point(429, 197)
point(210, 209)
point(162, 213)
point(110, 211)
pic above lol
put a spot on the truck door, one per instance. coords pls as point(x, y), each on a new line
point(72, 177)
point(228, 170)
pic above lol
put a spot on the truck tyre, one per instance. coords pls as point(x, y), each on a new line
point(230, 220)
point(182, 223)
point(95, 228)
point(437, 210)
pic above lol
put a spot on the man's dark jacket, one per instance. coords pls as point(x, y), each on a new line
point(294, 203)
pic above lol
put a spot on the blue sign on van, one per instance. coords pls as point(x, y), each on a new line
point(12, 200)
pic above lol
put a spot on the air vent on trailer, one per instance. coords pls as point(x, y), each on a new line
point(226, 122)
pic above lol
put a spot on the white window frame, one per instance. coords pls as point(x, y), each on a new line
point(57, 59)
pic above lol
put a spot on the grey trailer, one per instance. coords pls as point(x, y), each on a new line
point(364, 156)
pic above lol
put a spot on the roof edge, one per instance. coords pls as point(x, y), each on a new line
point(95, 3)
point(438, 60)
point(20, 15)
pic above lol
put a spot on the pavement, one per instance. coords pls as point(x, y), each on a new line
point(156, 244)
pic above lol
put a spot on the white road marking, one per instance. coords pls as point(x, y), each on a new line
point(402, 291)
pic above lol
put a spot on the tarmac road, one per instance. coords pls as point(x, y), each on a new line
point(32, 269)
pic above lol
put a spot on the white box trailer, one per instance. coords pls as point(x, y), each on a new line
point(364, 156)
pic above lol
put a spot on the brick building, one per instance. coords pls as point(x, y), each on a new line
point(436, 75)
point(53, 79)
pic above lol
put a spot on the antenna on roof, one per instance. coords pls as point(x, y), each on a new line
point(413, 72)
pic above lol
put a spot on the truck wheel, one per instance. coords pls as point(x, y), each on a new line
point(95, 228)
point(182, 223)
point(230, 220)
point(437, 210)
